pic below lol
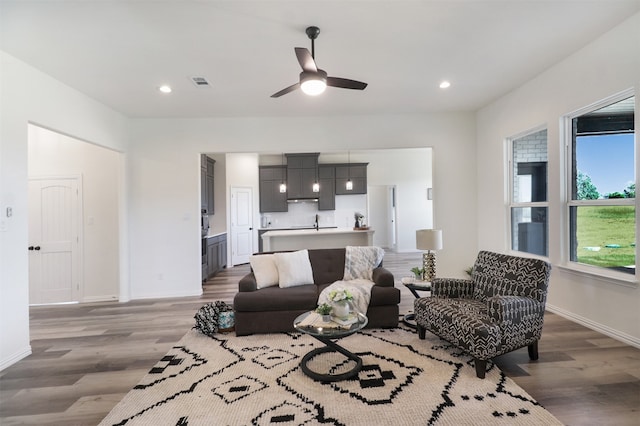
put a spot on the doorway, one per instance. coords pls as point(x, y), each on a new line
point(382, 215)
point(98, 170)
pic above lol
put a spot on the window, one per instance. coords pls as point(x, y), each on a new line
point(528, 200)
point(602, 176)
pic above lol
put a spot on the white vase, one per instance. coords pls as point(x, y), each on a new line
point(341, 309)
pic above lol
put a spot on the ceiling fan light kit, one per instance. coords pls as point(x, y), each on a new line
point(314, 81)
point(313, 84)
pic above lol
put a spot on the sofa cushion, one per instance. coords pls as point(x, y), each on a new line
point(294, 268)
point(327, 264)
point(265, 270)
point(302, 297)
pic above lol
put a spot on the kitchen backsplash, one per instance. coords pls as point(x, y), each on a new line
point(304, 214)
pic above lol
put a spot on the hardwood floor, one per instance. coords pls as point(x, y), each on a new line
point(87, 357)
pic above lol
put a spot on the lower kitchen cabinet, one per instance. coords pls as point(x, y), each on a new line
point(216, 254)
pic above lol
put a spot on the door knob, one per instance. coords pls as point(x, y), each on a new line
point(36, 248)
point(30, 248)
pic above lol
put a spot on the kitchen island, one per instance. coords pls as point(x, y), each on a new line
point(297, 239)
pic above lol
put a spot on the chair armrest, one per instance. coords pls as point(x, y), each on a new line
point(248, 283)
point(513, 309)
point(452, 287)
point(383, 277)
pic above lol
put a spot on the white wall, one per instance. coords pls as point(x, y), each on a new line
point(29, 96)
point(53, 154)
point(410, 171)
point(164, 150)
point(607, 66)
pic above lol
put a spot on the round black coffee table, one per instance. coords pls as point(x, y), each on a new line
point(327, 334)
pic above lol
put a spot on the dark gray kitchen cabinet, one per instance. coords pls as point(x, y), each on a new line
point(327, 181)
point(216, 254)
point(302, 173)
point(203, 183)
point(207, 181)
point(357, 172)
point(271, 199)
point(210, 186)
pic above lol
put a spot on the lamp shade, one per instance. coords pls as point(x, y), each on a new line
point(429, 239)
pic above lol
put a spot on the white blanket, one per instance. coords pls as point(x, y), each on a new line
point(359, 288)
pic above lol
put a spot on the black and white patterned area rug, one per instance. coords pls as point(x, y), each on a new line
point(257, 380)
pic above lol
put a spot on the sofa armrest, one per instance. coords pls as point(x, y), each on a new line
point(452, 287)
point(513, 309)
point(383, 277)
point(248, 283)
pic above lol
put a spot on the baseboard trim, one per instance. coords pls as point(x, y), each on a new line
point(165, 295)
point(608, 331)
point(106, 298)
point(17, 356)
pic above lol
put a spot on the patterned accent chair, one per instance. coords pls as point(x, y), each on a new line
point(500, 309)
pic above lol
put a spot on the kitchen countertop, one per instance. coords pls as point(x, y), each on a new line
point(312, 231)
point(293, 228)
point(213, 235)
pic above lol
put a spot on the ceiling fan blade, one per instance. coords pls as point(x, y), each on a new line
point(344, 83)
point(285, 91)
point(305, 59)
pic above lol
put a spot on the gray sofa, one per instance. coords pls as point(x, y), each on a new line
point(273, 309)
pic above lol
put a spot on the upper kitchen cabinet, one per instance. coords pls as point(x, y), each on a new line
point(207, 193)
point(210, 186)
point(357, 172)
point(302, 173)
point(327, 181)
point(271, 199)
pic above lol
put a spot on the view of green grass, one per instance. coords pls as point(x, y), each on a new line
point(602, 226)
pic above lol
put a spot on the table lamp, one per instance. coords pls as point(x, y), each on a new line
point(429, 240)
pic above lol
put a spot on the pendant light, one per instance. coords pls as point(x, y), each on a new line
point(283, 186)
point(316, 185)
point(349, 185)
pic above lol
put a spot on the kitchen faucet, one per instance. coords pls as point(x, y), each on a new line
point(317, 226)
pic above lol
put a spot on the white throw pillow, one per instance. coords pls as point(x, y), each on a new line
point(294, 268)
point(265, 270)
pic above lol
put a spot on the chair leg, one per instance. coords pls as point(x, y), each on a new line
point(533, 351)
point(481, 367)
point(422, 332)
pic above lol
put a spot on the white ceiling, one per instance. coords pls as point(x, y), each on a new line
point(119, 52)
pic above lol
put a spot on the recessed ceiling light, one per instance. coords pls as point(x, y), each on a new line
point(445, 84)
point(165, 89)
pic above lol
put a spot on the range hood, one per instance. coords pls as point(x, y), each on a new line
point(302, 200)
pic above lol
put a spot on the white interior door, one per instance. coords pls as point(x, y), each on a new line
point(241, 225)
point(54, 241)
point(381, 212)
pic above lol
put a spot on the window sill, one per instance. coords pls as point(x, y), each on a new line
point(608, 277)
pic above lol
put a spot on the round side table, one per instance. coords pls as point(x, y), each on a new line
point(414, 286)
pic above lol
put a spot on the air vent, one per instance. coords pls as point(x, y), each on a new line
point(200, 81)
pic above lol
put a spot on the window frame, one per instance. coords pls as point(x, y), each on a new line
point(566, 133)
point(510, 187)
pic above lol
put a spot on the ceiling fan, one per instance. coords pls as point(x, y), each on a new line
point(313, 80)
